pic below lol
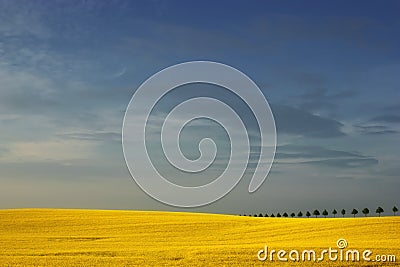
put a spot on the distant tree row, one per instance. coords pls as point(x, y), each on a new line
point(325, 213)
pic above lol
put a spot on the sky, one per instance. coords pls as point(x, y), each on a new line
point(329, 70)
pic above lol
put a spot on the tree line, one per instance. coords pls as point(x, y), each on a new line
point(325, 213)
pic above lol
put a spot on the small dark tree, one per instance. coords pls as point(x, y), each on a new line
point(272, 215)
point(325, 213)
point(278, 215)
point(266, 215)
point(285, 215)
point(365, 211)
point(300, 214)
point(343, 212)
point(255, 215)
point(260, 215)
point(379, 210)
point(292, 214)
point(308, 214)
point(354, 212)
point(394, 210)
point(334, 212)
point(316, 213)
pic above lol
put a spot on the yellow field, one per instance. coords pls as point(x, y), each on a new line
point(40, 237)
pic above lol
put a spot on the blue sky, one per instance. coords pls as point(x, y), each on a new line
point(329, 70)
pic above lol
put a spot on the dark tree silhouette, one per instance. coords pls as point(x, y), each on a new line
point(325, 213)
point(343, 212)
point(379, 210)
point(334, 212)
point(316, 213)
point(354, 212)
point(394, 210)
point(365, 211)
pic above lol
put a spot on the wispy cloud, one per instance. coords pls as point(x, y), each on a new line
point(93, 136)
point(387, 118)
point(296, 121)
point(317, 155)
point(48, 151)
point(375, 129)
point(22, 19)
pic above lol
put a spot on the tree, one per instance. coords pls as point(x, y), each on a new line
point(394, 210)
point(365, 211)
point(260, 215)
point(272, 215)
point(255, 215)
point(278, 215)
point(379, 210)
point(354, 212)
point(266, 215)
point(308, 214)
point(334, 212)
point(343, 212)
point(285, 215)
point(325, 213)
point(316, 213)
point(292, 214)
point(300, 214)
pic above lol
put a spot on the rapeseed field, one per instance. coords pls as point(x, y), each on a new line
point(56, 237)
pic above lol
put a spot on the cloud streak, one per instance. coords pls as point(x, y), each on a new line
point(317, 155)
point(290, 120)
